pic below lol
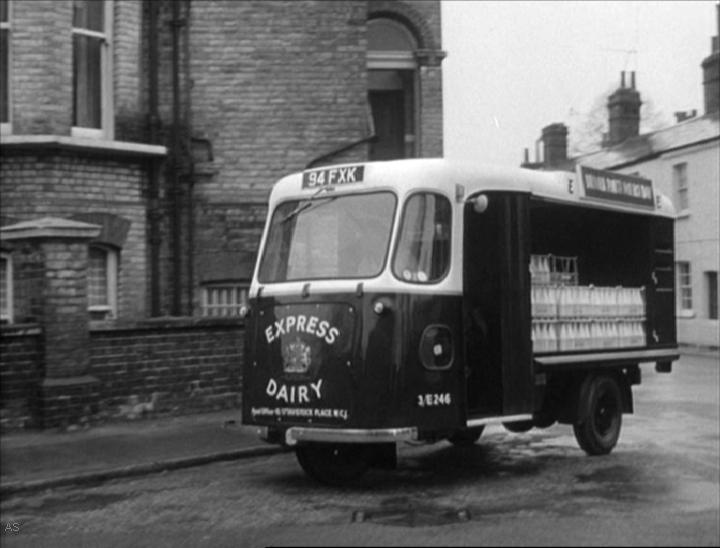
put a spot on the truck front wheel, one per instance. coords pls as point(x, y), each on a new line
point(333, 464)
point(597, 427)
point(466, 437)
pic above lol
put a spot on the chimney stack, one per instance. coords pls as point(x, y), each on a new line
point(554, 138)
point(711, 73)
point(623, 112)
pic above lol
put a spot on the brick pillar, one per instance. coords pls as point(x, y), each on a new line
point(430, 102)
point(55, 252)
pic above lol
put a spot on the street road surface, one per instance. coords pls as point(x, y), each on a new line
point(660, 487)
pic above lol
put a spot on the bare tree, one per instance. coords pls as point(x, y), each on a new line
point(586, 129)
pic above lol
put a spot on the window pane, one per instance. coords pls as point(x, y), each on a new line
point(423, 253)
point(337, 237)
point(4, 11)
point(681, 186)
point(89, 14)
point(87, 81)
point(97, 278)
point(4, 76)
point(684, 280)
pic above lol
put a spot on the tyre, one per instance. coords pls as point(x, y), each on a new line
point(333, 464)
point(599, 415)
point(466, 438)
point(518, 427)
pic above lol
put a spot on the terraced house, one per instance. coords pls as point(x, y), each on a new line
point(139, 142)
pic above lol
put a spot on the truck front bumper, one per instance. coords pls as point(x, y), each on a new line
point(300, 434)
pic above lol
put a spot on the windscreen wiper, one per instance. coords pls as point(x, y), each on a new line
point(306, 204)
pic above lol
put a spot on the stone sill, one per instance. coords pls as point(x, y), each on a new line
point(19, 329)
point(96, 147)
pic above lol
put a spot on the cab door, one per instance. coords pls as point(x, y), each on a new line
point(429, 320)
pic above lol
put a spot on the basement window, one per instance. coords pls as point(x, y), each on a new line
point(224, 299)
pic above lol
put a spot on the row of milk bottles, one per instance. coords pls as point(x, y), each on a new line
point(540, 269)
point(587, 302)
point(586, 335)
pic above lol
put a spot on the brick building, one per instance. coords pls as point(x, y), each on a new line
point(139, 141)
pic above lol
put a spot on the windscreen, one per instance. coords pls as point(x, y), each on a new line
point(343, 236)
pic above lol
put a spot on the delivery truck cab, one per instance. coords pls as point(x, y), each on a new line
point(423, 299)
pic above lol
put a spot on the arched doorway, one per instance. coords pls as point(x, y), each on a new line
point(392, 89)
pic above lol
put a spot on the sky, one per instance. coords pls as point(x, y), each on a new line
point(514, 67)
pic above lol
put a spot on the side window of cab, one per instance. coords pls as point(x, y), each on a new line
point(422, 255)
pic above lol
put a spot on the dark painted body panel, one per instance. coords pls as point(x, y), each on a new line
point(350, 367)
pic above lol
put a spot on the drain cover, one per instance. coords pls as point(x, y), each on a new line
point(412, 514)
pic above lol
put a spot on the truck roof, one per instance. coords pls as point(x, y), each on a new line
point(587, 187)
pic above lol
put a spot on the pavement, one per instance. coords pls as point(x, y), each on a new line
point(38, 460)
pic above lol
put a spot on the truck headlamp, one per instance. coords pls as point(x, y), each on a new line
point(436, 347)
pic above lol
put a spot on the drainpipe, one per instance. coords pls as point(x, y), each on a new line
point(191, 167)
point(175, 190)
point(154, 175)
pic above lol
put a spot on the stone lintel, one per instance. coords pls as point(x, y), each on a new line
point(49, 228)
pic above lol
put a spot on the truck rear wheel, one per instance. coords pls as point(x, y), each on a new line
point(518, 427)
point(597, 428)
point(333, 464)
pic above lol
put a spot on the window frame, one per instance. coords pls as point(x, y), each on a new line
point(397, 244)
point(112, 262)
point(233, 309)
point(106, 129)
point(6, 28)
point(681, 187)
point(263, 276)
point(684, 289)
point(8, 315)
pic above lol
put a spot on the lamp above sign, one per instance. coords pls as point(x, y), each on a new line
point(614, 187)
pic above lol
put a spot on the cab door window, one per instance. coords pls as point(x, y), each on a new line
point(423, 250)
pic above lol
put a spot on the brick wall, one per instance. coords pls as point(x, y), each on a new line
point(21, 371)
point(41, 67)
point(63, 185)
point(188, 364)
point(129, 114)
point(274, 85)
